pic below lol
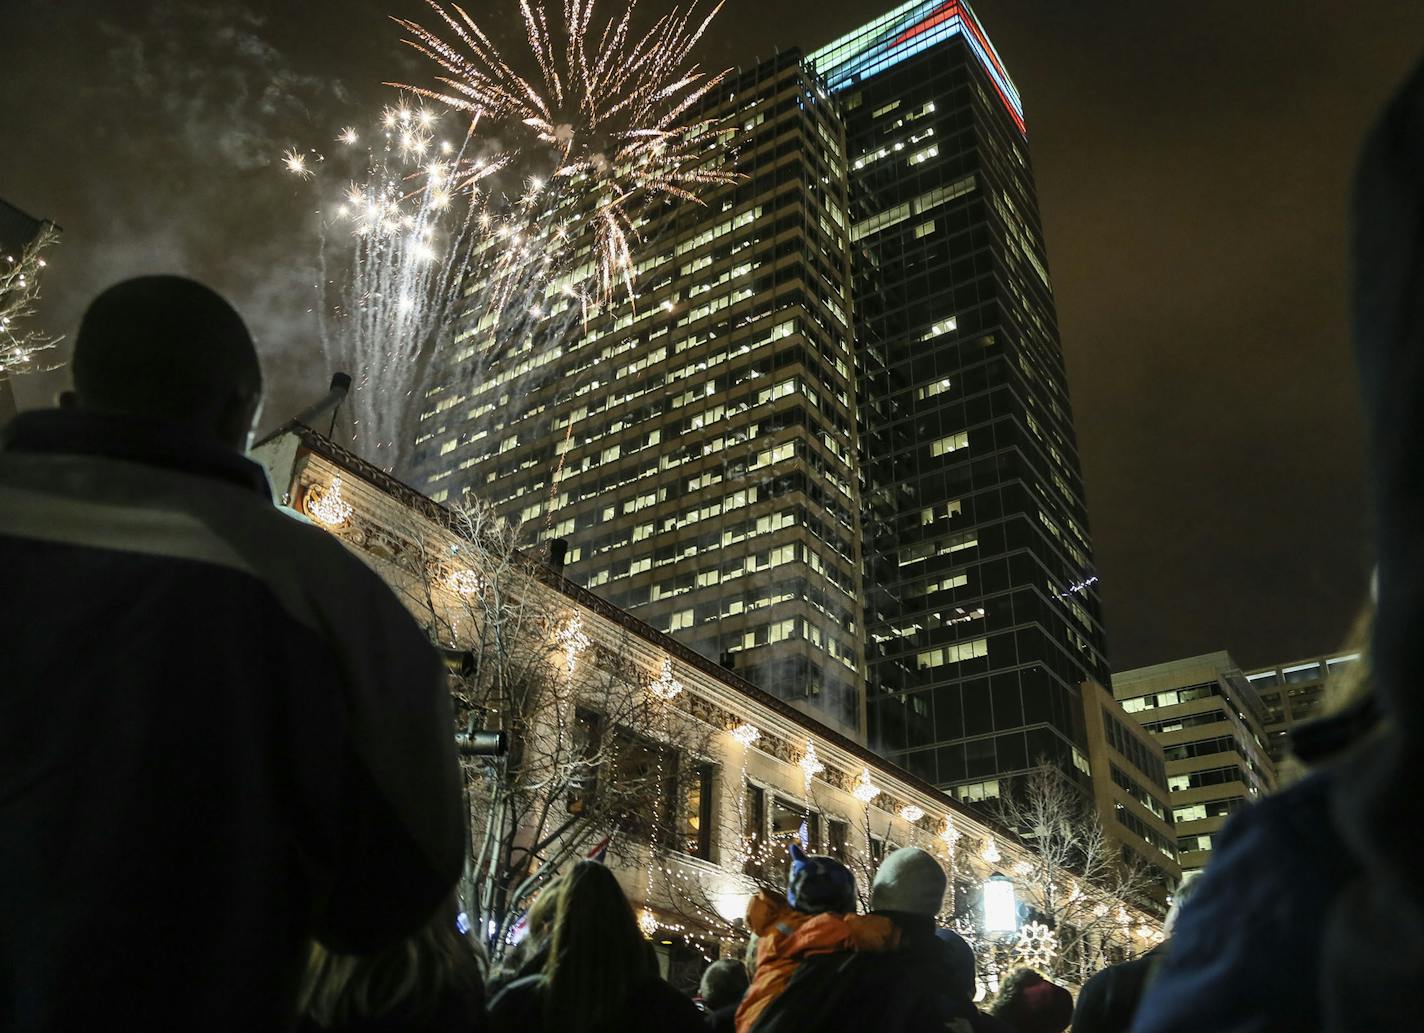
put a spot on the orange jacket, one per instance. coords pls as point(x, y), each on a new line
point(786, 936)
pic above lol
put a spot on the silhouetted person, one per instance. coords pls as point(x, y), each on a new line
point(1109, 1000)
point(221, 736)
point(601, 976)
point(1310, 915)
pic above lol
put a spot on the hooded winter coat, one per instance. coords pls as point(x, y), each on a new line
point(1312, 901)
point(786, 937)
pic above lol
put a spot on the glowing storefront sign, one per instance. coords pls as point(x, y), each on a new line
point(906, 31)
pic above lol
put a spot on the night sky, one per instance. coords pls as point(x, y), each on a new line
point(1193, 166)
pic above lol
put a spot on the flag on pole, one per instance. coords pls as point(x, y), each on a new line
point(599, 853)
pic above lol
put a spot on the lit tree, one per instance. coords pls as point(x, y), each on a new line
point(598, 747)
point(1076, 879)
point(22, 345)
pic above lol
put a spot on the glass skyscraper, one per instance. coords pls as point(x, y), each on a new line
point(697, 450)
point(981, 608)
point(831, 445)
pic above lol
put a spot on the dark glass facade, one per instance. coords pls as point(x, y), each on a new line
point(981, 607)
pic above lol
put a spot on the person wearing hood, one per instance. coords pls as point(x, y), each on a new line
point(1312, 902)
point(1028, 1003)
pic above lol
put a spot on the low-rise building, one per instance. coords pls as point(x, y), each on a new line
point(1129, 776)
point(1296, 692)
point(1211, 725)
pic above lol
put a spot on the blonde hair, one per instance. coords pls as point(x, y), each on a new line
point(408, 980)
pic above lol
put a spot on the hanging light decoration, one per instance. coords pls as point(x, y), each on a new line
point(911, 813)
point(465, 583)
point(865, 790)
point(990, 852)
point(648, 923)
point(1037, 945)
point(330, 508)
point(665, 686)
point(746, 733)
point(811, 765)
point(949, 834)
point(573, 640)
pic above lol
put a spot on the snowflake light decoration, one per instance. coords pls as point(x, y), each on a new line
point(810, 765)
point(746, 733)
point(665, 686)
point(865, 790)
point(573, 641)
point(1037, 945)
point(465, 583)
point(330, 508)
point(911, 813)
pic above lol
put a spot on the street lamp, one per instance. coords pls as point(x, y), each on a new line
point(1001, 909)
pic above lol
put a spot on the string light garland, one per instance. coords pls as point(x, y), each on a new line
point(330, 508)
point(573, 640)
point(810, 764)
point(1079, 587)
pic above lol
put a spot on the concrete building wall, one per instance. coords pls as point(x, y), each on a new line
point(1130, 785)
point(1296, 692)
point(1210, 724)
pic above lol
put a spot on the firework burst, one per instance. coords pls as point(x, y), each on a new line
point(609, 114)
point(396, 244)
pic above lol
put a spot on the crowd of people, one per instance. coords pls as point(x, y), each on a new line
point(229, 797)
point(583, 965)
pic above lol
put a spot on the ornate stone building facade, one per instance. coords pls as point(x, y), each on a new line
point(769, 774)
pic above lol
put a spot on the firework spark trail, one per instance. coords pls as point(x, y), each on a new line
point(608, 109)
point(398, 268)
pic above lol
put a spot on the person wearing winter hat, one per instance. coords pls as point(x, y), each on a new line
point(817, 916)
point(910, 882)
point(1031, 1004)
point(959, 971)
point(907, 986)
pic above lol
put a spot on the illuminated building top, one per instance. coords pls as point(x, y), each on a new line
point(908, 30)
